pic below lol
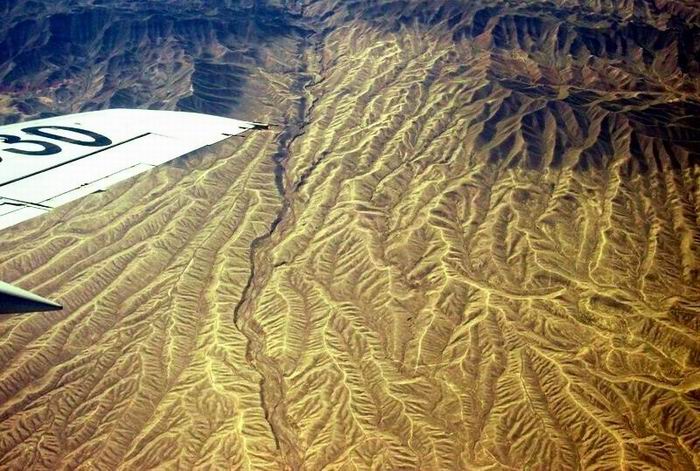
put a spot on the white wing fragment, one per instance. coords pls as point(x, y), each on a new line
point(49, 162)
point(15, 300)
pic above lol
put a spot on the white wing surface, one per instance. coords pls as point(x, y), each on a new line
point(49, 162)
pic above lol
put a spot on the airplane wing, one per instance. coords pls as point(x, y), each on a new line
point(49, 162)
point(15, 300)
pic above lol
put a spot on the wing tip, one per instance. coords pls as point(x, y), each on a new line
point(14, 300)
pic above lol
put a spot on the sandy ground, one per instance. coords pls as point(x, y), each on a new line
point(471, 242)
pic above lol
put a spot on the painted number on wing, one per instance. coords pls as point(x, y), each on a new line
point(40, 147)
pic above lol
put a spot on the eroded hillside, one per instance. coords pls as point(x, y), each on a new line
point(472, 242)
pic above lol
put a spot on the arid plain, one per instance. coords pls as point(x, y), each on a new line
point(471, 239)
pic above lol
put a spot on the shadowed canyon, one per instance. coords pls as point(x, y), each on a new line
point(469, 240)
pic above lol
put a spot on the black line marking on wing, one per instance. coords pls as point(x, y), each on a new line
point(75, 159)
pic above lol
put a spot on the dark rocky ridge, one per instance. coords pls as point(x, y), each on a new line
point(162, 55)
point(627, 58)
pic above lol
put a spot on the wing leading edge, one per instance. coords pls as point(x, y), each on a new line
point(49, 162)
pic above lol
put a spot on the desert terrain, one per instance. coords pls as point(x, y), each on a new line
point(470, 240)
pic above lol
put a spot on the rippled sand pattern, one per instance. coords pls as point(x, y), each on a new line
point(444, 258)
